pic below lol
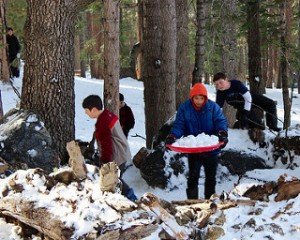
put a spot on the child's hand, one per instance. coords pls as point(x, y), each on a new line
point(223, 137)
point(170, 139)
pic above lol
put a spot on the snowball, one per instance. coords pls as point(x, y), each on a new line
point(201, 140)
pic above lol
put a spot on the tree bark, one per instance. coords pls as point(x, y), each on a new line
point(257, 84)
point(111, 55)
point(82, 61)
point(150, 59)
point(166, 91)
point(4, 68)
point(77, 55)
point(26, 212)
point(198, 72)
point(298, 44)
point(182, 59)
point(48, 82)
point(93, 51)
point(229, 38)
point(229, 50)
point(284, 64)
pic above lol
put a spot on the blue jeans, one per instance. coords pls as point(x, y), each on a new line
point(126, 190)
point(210, 163)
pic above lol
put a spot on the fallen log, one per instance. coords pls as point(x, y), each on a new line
point(25, 211)
point(119, 204)
point(260, 192)
point(206, 204)
point(288, 187)
point(174, 228)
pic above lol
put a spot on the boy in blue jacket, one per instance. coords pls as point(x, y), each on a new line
point(200, 115)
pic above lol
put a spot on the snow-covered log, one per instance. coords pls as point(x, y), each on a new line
point(173, 228)
point(78, 210)
point(288, 187)
point(38, 218)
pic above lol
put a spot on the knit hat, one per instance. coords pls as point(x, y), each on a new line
point(198, 89)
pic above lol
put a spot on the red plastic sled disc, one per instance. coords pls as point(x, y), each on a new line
point(195, 149)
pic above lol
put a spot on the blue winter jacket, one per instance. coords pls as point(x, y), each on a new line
point(209, 119)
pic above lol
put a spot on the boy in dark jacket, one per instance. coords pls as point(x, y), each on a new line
point(112, 144)
point(200, 115)
point(126, 116)
point(236, 94)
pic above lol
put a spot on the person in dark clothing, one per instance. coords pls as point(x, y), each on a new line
point(236, 94)
point(126, 116)
point(200, 115)
point(13, 51)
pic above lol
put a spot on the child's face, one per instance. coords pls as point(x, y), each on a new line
point(91, 113)
point(222, 84)
point(199, 100)
point(121, 104)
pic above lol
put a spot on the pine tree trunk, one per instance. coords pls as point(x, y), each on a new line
point(82, 61)
point(182, 64)
point(198, 72)
point(91, 35)
point(257, 84)
point(229, 50)
point(150, 59)
point(48, 82)
point(298, 44)
point(272, 66)
point(4, 68)
point(229, 38)
point(166, 91)
point(111, 55)
point(77, 55)
point(284, 33)
point(99, 38)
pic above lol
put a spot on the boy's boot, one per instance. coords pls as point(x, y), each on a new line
point(192, 193)
point(130, 195)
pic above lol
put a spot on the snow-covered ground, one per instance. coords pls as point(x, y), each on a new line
point(238, 139)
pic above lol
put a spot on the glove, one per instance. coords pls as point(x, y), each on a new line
point(18, 55)
point(244, 118)
point(170, 139)
point(223, 137)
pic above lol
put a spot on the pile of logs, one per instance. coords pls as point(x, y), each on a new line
point(127, 219)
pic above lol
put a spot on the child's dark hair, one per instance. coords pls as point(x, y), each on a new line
point(92, 101)
point(218, 76)
point(121, 97)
